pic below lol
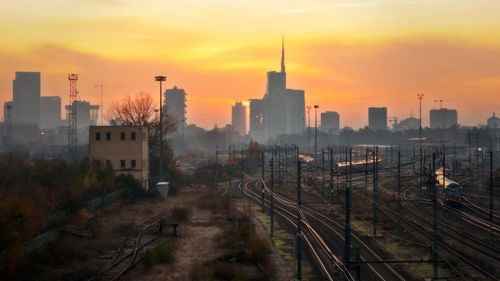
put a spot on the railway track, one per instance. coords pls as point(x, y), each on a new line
point(125, 257)
point(330, 232)
point(426, 232)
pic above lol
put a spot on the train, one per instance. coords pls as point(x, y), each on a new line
point(357, 166)
point(340, 168)
point(451, 191)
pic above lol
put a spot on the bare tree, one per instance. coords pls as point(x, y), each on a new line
point(139, 110)
point(132, 111)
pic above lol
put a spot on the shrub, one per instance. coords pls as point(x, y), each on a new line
point(159, 254)
point(180, 215)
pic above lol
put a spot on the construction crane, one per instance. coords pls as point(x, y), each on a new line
point(394, 120)
point(441, 102)
point(102, 105)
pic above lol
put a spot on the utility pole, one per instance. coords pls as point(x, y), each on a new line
point(375, 192)
point(308, 108)
point(262, 173)
point(315, 130)
point(230, 166)
point(272, 195)
point(161, 79)
point(242, 169)
point(299, 231)
point(279, 164)
point(366, 168)
point(420, 97)
point(399, 193)
point(262, 164)
point(215, 166)
point(322, 172)
point(331, 175)
point(347, 247)
point(491, 191)
point(434, 219)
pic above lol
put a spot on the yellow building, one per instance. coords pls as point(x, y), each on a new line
point(124, 147)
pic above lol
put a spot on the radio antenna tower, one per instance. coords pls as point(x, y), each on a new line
point(72, 127)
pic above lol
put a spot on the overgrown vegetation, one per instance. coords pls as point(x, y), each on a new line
point(158, 254)
point(246, 251)
point(33, 190)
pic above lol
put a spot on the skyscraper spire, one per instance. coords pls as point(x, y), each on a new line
point(282, 55)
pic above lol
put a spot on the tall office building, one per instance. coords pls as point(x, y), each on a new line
point(26, 98)
point(330, 122)
point(50, 112)
point(443, 118)
point(256, 119)
point(377, 118)
point(280, 111)
point(493, 122)
point(86, 113)
point(239, 118)
point(175, 104)
point(7, 111)
point(411, 123)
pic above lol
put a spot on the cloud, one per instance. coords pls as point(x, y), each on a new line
point(105, 2)
point(354, 4)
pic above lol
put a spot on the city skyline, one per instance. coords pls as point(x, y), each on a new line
point(389, 53)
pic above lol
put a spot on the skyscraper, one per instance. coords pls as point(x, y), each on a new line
point(26, 98)
point(239, 118)
point(256, 119)
point(7, 111)
point(50, 112)
point(443, 118)
point(493, 122)
point(175, 104)
point(377, 118)
point(280, 111)
point(330, 122)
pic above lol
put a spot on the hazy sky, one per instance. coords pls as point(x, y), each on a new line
point(346, 54)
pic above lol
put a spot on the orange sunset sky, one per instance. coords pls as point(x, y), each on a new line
point(346, 54)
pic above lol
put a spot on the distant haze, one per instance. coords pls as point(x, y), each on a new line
point(346, 55)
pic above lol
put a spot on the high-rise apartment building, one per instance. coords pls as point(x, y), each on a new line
point(330, 122)
point(377, 118)
point(50, 112)
point(86, 113)
point(26, 98)
point(443, 118)
point(175, 104)
point(239, 118)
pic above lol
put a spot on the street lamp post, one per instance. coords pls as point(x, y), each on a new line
point(315, 130)
point(308, 108)
point(161, 79)
point(420, 96)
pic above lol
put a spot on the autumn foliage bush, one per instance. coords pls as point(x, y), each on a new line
point(32, 190)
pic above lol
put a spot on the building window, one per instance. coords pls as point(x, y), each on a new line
point(108, 163)
point(108, 136)
point(122, 136)
point(97, 136)
point(122, 164)
point(133, 163)
point(132, 136)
